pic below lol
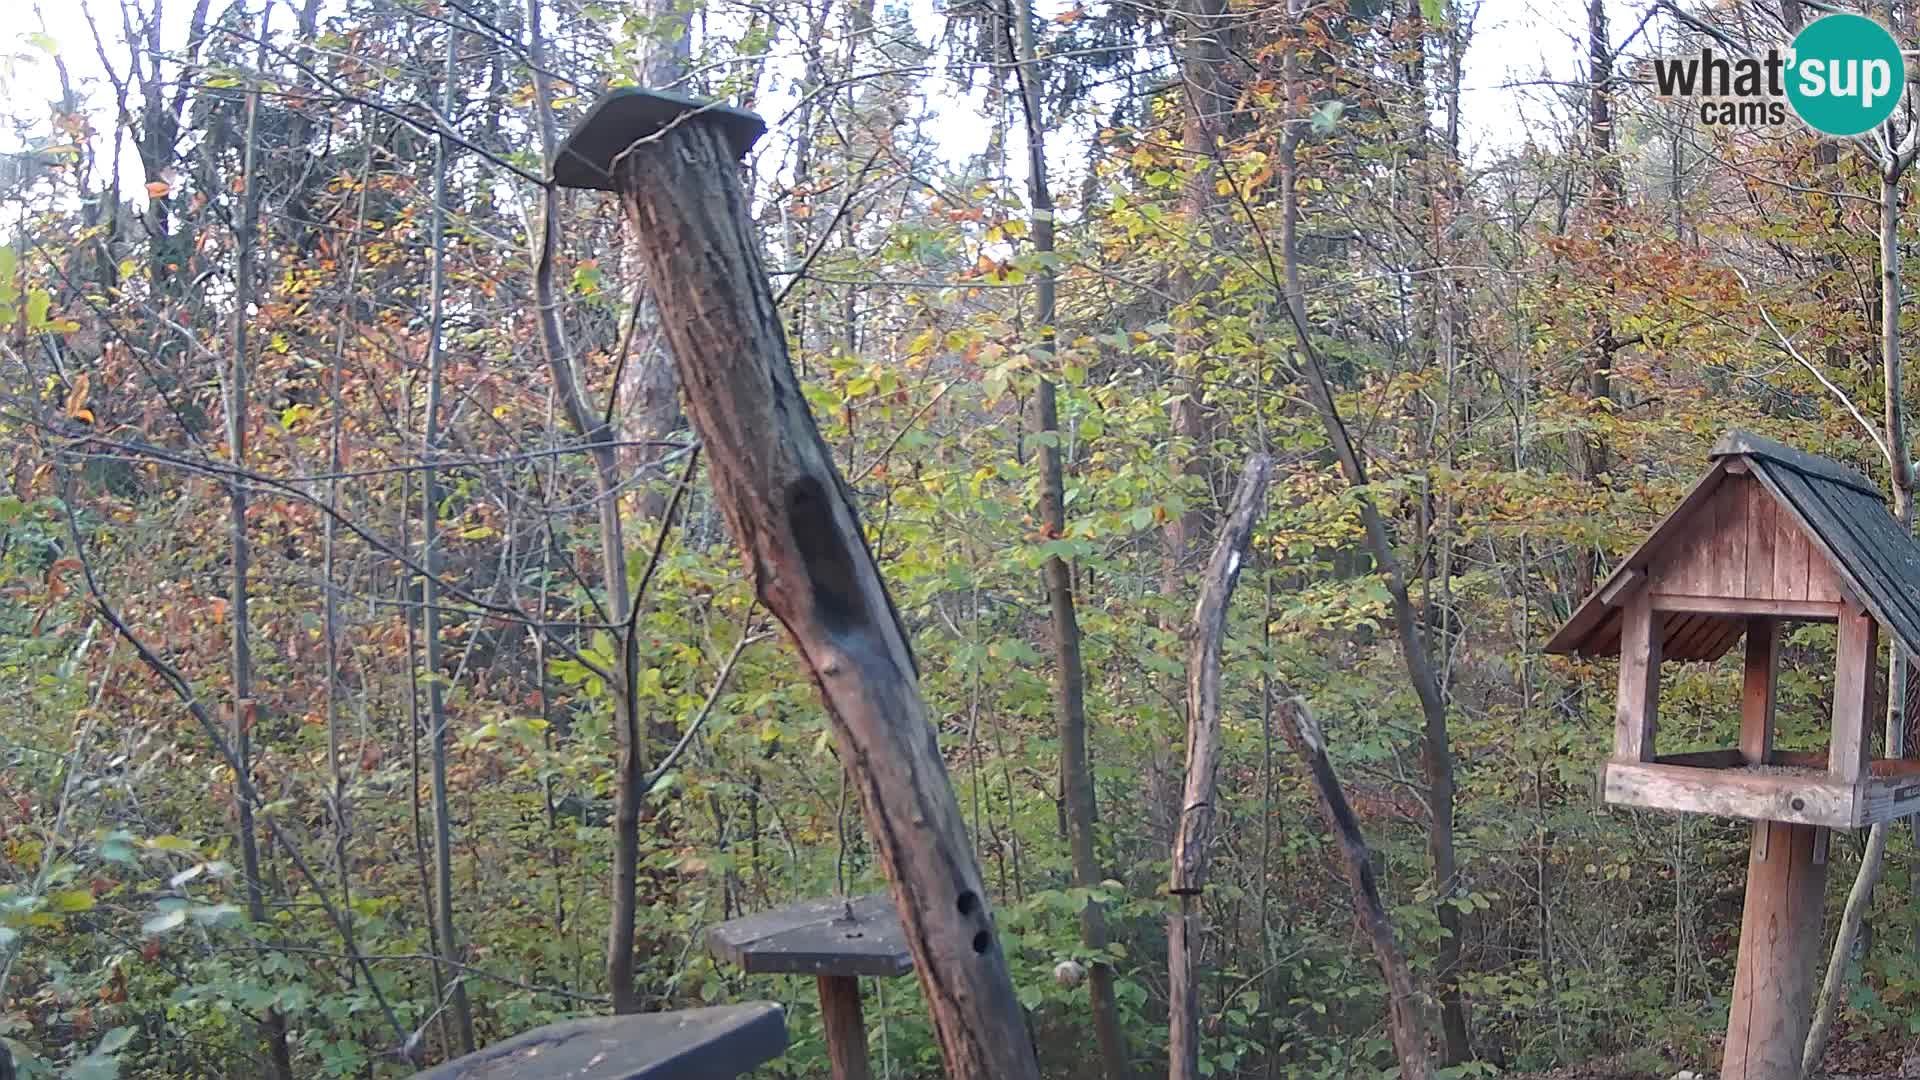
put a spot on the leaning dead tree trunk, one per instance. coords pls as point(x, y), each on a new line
point(1193, 834)
point(793, 516)
point(1356, 862)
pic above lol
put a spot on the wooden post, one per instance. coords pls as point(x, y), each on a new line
point(1853, 666)
point(1757, 690)
point(1779, 954)
point(674, 163)
point(1637, 710)
point(845, 1026)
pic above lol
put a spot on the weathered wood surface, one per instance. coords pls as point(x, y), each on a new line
point(1404, 1023)
point(1637, 707)
point(846, 1027)
point(1715, 782)
point(1767, 531)
point(1733, 549)
point(797, 527)
point(1779, 955)
point(1853, 679)
point(1808, 798)
point(817, 937)
point(1193, 836)
point(692, 1044)
point(1757, 690)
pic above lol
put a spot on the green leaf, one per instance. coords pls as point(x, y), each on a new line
point(165, 921)
point(1434, 11)
point(70, 900)
point(114, 1041)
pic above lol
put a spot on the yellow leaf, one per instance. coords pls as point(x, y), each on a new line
point(77, 398)
point(157, 189)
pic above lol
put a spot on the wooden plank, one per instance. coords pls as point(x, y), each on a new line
point(1757, 690)
point(1822, 582)
point(829, 936)
point(1852, 691)
point(1807, 798)
point(1760, 538)
point(1892, 795)
point(1592, 612)
point(846, 1028)
point(1704, 759)
point(1615, 591)
point(1728, 554)
point(1790, 550)
point(1637, 708)
point(724, 1041)
point(1890, 769)
point(1808, 610)
point(1771, 1006)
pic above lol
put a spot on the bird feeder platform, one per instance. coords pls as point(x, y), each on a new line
point(1769, 536)
point(836, 941)
point(691, 1044)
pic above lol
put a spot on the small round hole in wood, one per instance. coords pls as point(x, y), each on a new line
point(982, 941)
point(1799, 804)
point(968, 903)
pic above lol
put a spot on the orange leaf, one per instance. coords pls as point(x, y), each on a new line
point(157, 189)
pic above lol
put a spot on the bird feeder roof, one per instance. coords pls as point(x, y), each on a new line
point(816, 937)
point(627, 115)
point(1768, 530)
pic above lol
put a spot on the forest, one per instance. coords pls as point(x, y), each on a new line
point(1235, 397)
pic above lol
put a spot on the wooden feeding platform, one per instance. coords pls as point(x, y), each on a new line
point(691, 1044)
point(836, 940)
point(1793, 787)
point(1769, 536)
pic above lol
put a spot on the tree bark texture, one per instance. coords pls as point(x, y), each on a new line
point(1070, 675)
point(799, 531)
point(1356, 862)
point(1193, 838)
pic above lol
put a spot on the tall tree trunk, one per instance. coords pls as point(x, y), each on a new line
point(1069, 677)
point(1873, 861)
point(1605, 207)
point(1207, 97)
point(629, 791)
point(274, 1025)
point(1436, 757)
point(1436, 753)
point(430, 496)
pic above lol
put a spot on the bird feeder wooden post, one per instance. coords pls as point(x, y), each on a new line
point(834, 940)
point(1769, 536)
point(674, 162)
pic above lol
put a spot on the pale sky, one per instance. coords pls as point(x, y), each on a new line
point(1514, 43)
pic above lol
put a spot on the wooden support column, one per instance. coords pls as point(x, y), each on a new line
point(1773, 985)
point(1637, 709)
point(846, 1028)
point(675, 163)
point(1757, 690)
point(1852, 690)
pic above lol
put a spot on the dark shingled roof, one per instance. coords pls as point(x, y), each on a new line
point(1841, 511)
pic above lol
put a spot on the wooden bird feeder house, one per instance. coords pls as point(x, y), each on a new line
point(1769, 536)
point(834, 940)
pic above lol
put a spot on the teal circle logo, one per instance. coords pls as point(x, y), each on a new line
point(1845, 74)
